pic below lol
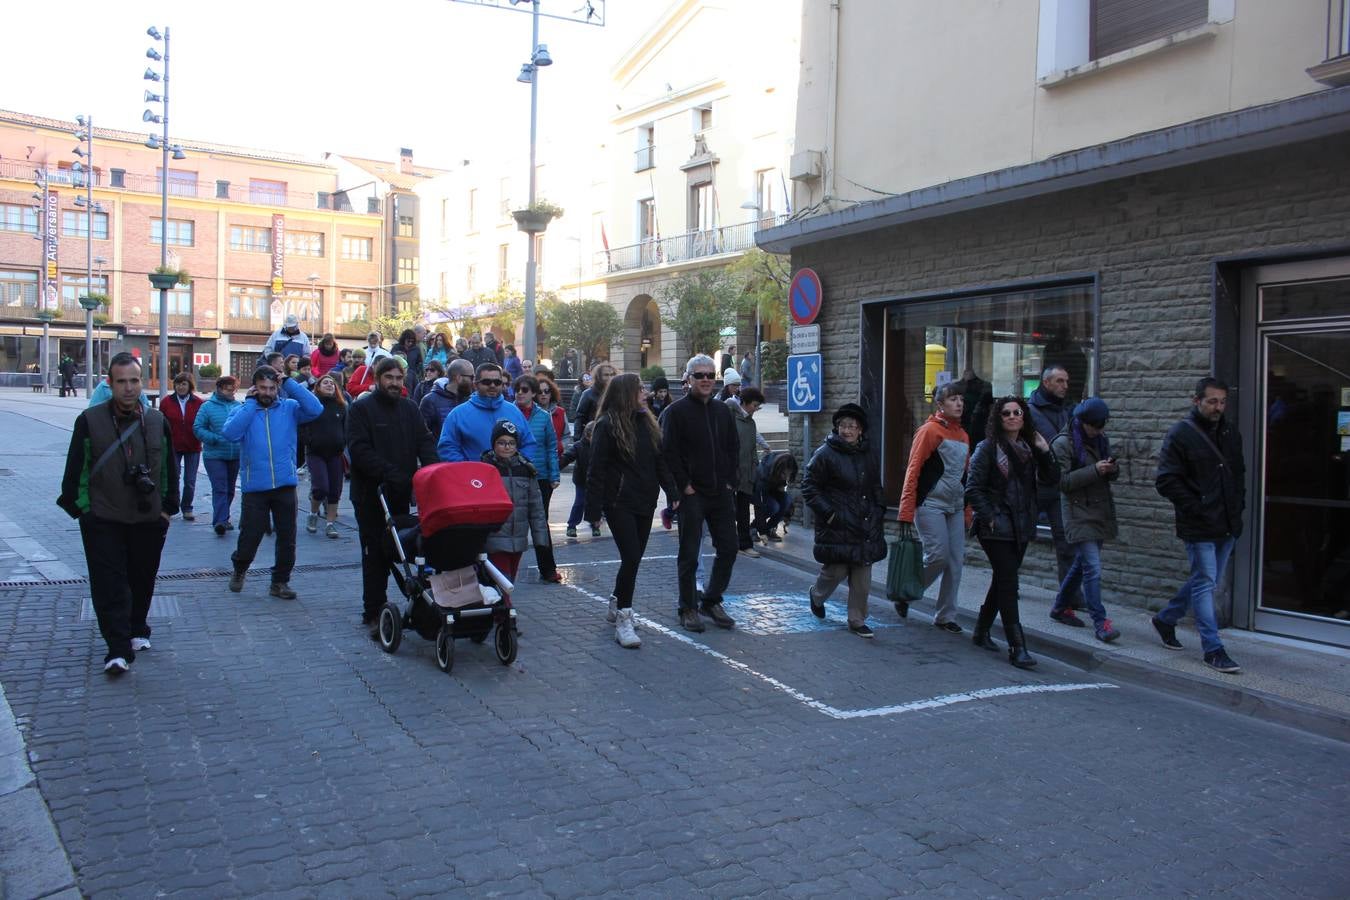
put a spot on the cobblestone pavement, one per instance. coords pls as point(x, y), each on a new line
point(270, 748)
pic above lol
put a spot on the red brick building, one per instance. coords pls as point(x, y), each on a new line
point(237, 218)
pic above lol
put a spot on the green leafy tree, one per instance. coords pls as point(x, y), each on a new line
point(591, 326)
point(765, 278)
point(698, 305)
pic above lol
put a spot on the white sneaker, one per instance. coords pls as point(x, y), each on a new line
point(612, 615)
point(750, 552)
point(624, 632)
point(139, 644)
point(312, 523)
point(116, 666)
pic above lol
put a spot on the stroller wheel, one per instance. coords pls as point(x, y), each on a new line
point(391, 628)
point(505, 644)
point(445, 650)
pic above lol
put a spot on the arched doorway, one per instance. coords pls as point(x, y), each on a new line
point(642, 334)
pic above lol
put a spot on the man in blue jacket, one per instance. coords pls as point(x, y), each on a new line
point(268, 427)
point(467, 430)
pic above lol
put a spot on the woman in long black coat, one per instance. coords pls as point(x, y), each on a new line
point(1001, 488)
point(842, 486)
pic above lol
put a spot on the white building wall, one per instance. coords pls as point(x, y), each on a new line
point(902, 95)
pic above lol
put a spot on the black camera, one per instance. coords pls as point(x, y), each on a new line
point(139, 477)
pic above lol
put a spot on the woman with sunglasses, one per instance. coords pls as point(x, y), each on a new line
point(548, 401)
point(1001, 488)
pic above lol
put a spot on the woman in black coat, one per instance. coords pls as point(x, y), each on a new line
point(843, 488)
point(627, 470)
point(1001, 488)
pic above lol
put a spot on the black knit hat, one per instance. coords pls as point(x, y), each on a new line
point(660, 383)
point(505, 426)
point(850, 411)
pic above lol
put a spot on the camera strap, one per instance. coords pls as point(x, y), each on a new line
point(122, 443)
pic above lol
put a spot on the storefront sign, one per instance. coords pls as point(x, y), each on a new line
point(805, 296)
point(805, 339)
point(805, 387)
point(278, 252)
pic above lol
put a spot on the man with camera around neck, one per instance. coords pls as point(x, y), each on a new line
point(267, 428)
point(122, 486)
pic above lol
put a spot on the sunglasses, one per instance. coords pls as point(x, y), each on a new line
point(702, 376)
point(1011, 413)
point(491, 382)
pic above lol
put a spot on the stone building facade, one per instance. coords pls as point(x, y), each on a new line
point(1139, 234)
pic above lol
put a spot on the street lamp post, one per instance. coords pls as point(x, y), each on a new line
point(530, 71)
point(86, 134)
point(591, 12)
point(163, 282)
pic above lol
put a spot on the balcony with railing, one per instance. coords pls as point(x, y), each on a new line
point(256, 324)
point(1334, 71)
point(691, 245)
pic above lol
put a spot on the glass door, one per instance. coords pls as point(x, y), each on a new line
point(1305, 486)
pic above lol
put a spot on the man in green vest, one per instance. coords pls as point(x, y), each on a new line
point(122, 486)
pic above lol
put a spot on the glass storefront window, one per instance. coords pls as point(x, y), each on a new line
point(993, 344)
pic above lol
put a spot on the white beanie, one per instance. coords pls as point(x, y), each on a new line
point(731, 376)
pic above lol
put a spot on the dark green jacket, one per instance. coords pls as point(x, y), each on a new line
point(95, 481)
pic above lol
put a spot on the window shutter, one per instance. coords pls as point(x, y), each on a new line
point(1121, 24)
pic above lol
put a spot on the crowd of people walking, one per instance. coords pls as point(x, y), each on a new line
point(373, 416)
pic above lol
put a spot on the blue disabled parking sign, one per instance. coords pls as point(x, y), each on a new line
point(804, 383)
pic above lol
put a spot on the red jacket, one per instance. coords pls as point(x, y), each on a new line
point(180, 423)
point(360, 382)
point(321, 364)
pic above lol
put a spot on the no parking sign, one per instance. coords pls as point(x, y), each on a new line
point(805, 296)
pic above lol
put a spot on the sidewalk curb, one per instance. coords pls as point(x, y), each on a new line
point(1233, 698)
point(33, 860)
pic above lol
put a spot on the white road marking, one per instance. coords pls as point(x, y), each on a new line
point(873, 712)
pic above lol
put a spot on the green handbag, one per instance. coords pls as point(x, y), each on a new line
point(904, 571)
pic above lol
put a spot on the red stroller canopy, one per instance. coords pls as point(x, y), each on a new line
point(458, 494)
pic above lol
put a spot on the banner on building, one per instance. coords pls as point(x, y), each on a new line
point(52, 244)
point(278, 253)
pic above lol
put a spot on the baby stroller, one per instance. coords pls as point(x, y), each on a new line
point(450, 588)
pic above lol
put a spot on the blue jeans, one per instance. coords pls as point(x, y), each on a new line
point(774, 507)
point(1208, 559)
point(224, 474)
point(578, 507)
point(187, 464)
point(1084, 572)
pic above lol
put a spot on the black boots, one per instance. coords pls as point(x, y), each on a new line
point(982, 625)
point(1017, 648)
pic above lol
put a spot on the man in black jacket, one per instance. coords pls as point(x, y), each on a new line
point(1051, 410)
point(699, 441)
point(387, 439)
point(121, 484)
point(1200, 469)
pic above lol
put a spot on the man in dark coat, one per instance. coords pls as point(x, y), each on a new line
point(1051, 409)
point(842, 486)
point(699, 441)
point(477, 354)
point(1201, 470)
point(387, 440)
